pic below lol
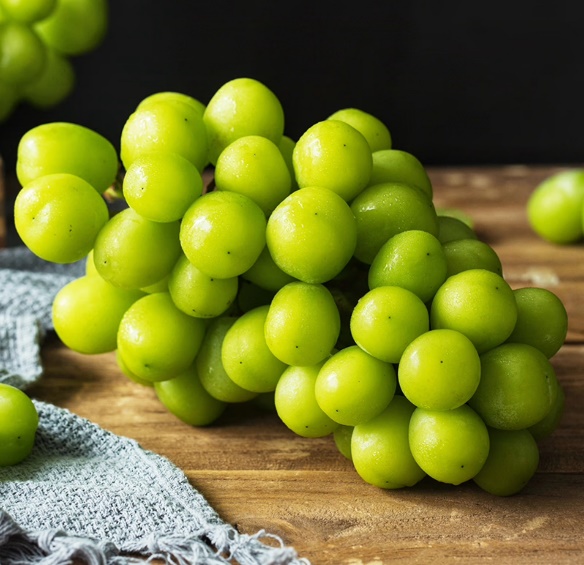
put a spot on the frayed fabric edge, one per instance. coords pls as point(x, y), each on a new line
point(218, 545)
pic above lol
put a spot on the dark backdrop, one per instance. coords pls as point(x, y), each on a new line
point(456, 82)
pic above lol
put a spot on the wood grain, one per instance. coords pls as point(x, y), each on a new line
point(259, 475)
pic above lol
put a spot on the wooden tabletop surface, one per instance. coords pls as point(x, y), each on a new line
point(259, 475)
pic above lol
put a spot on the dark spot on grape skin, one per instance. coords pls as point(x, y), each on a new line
point(229, 253)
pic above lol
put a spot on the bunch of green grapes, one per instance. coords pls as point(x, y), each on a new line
point(37, 40)
point(313, 273)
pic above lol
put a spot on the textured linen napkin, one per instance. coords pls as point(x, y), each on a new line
point(84, 493)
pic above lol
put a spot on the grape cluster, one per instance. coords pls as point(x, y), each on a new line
point(315, 274)
point(555, 208)
point(37, 39)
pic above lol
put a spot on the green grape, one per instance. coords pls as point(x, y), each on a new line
point(373, 129)
point(59, 216)
point(303, 324)
point(332, 154)
point(464, 254)
point(311, 235)
point(210, 367)
point(412, 259)
point(342, 438)
point(386, 319)
point(9, 98)
point(122, 365)
point(162, 186)
point(185, 397)
point(380, 448)
point(246, 356)
point(18, 425)
point(27, 11)
point(554, 208)
point(240, 107)
point(513, 460)
point(53, 85)
point(456, 213)
point(22, 54)
point(352, 386)
point(266, 274)
point(453, 229)
point(156, 340)
point(542, 320)
point(396, 166)
point(451, 446)
point(198, 294)
point(169, 96)
point(87, 312)
point(518, 387)
point(62, 147)
point(478, 303)
point(550, 422)
point(133, 252)
point(254, 166)
point(296, 403)
point(250, 296)
point(214, 249)
point(165, 126)
point(90, 269)
point(286, 147)
point(384, 210)
point(75, 27)
point(439, 370)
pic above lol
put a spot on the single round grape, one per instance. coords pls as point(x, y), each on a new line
point(87, 312)
point(380, 448)
point(165, 127)
point(223, 233)
point(210, 367)
point(453, 229)
point(542, 320)
point(170, 97)
point(198, 294)
point(27, 11)
point(513, 460)
point(303, 324)
point(246, 357)
point(240, 107)
point(451, 446)
point(286, 147)
point(412, 259)
point(384, 210)
point(518, 387)
point(9, 99)
point(332, 154)
point(75, 27)
point(266, 274)
point(158, 341)
point(439, 370)
point(342, 436)
point(123, 366)
point(550, 422)
point(352, 386)
point(254, 166)
point(18, 425)
point(386, 319)
point(162, 186)
point(22, 54)
point(296, 403)
point(373, 129)
point(133, 252)
point(53, 84)
point(311, 235)
point(185, 397)
point(59, 216)
point(464, 254)
point(478, 303)
point(397, 166)
point(554, 208)
point(63, 147)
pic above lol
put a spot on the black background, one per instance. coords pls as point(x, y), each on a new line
point(456, 82)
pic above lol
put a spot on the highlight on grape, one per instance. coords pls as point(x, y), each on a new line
point(315, 276)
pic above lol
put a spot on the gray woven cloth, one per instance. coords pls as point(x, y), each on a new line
point(84, 493)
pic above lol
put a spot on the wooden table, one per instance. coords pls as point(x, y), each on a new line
point(257, 474)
